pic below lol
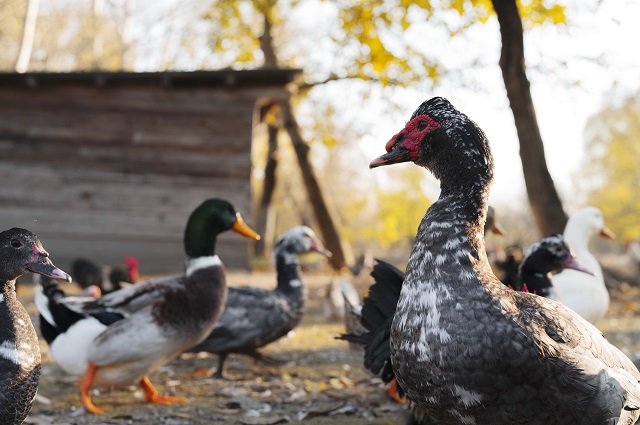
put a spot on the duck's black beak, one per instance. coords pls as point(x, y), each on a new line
point(396, 152)
point(394, 156)
point(41, 264)
point(572, 263)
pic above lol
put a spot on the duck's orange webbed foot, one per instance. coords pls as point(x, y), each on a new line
point(151, 394)
point(85, 385)
point(392, 392)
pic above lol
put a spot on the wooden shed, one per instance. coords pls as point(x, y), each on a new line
point(103, 165)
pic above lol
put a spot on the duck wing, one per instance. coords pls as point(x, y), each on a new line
point(577, 345)
point(252, 318)
point(129, 300)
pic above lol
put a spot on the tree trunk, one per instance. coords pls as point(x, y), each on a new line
point(28, 35)
point(342, 255)
point(266, 45)
point(265, 213)
point(543, 197)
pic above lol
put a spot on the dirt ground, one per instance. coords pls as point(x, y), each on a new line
point(320, 382)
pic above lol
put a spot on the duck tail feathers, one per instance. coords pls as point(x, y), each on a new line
point(55, 316)
point(383, 296)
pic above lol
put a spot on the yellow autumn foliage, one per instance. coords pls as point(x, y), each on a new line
point(612, 169)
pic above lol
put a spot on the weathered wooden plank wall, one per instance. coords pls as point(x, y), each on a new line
point(112, 166)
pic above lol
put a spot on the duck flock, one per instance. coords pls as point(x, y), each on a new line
point(449, 338)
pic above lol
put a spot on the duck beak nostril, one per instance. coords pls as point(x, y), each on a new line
point(398, 138)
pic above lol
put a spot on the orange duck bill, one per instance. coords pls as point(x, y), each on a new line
point(241, 227)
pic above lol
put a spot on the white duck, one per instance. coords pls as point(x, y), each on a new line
point(585, 294)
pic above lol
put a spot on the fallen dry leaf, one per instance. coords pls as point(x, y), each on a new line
point(320, 411)
point(38, 420)
point(263, 420)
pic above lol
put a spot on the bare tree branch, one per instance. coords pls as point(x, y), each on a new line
point(28, 36)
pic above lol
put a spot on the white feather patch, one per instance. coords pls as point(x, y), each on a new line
point(1, 298)
point(468, 397)
point(198, 263)
point(295, 283)
point(70, 348)
point(22, 358)
point(42, 304)
point(464, 419)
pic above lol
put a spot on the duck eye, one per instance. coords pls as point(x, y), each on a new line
point(422, 125)
point(16, 243)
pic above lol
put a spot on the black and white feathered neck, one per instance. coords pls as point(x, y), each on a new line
point(457, 326)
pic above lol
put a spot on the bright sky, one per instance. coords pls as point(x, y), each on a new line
point(564, 97)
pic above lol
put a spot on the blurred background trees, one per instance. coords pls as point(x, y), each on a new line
point(611, 174)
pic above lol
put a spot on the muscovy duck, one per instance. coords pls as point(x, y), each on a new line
point(586, 295)
point(457, 327)
point(254, 317)
point(121, 337)
point(549, 254)
point(20, 251)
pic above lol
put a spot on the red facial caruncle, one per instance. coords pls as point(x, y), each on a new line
point(412, 134)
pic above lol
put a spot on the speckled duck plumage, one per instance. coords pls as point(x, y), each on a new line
point(254, 317)
point(457, 327)
point(549, 254)
point(20, 251)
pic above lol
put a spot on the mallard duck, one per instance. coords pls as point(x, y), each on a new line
point(587, 295)
point(20, 251)
point(121, 337)
point(457, 327)
point(254, 317)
